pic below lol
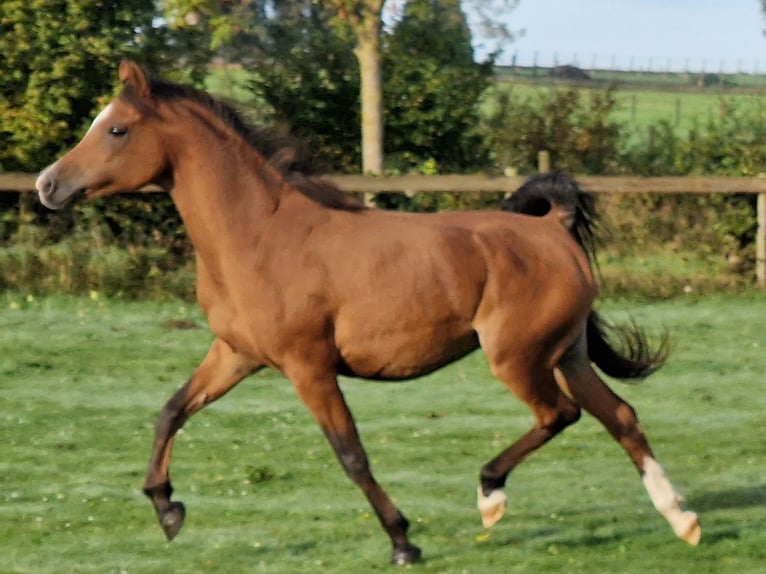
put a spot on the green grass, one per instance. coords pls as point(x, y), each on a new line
point(662, 80)
point(82, 380)
point(668, 273)
point(638, 109)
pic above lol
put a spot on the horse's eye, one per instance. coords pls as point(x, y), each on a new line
point(117, 131)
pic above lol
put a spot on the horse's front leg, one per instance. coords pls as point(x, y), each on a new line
point(220, 371)
point(321, 394)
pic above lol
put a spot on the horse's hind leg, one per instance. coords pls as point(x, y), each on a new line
point(576, 376)
point(553, 412)
point(219, 372)
point(322, 396)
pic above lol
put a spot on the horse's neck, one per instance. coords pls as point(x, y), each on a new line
point(225, 201)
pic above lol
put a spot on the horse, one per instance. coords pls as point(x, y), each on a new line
point(295, 275)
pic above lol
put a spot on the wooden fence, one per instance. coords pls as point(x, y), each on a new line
point(412, 184)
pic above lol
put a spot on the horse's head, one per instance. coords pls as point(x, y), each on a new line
point(121, 151)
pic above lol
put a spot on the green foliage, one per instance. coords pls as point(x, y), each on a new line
point(309, 77)
point(58, 59)
point(434, 29)
point(131, 246)
point(576, 128)
point(663, 246)
point(432, 90)
point(734, 144)
point(657, 154)
point(579, 130)
point(199, 29)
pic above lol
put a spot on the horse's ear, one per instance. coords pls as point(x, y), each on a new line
point(132, 75)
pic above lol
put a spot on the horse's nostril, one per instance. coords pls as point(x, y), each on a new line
point(45, 184)
point(46, 188)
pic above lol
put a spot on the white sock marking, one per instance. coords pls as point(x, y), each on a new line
point(491, 507)
point(666, 501)
point(658, 486)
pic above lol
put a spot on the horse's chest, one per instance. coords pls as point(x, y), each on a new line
point(228, 315)
point(267, 324)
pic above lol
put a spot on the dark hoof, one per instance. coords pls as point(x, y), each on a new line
point(172, 519)
point(407, 554)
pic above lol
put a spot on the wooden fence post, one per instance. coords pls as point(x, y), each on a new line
point(760, 242)
point(544, 161)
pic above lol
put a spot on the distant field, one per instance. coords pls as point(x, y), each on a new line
point(640, 108)
point(83, 380)
point(644, 99)
point(658, 79)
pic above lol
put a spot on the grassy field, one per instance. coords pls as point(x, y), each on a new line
point(638, 109)
point(674, 80)
point(83, 379)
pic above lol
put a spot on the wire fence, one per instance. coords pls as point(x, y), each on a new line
point(632, 63)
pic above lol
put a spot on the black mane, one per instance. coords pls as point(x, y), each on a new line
point(286, 154)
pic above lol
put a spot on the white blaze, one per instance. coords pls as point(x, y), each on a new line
point(100, 117)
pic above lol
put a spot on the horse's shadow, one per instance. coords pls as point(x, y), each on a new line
point(727, 499)
point(739, 497)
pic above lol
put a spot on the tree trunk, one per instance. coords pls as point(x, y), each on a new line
point(368, 29)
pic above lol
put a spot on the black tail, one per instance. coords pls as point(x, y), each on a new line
point(631, 357)
point(559, 191)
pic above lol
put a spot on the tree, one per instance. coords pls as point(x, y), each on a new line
point(297, 51)
point(227, 28)
point(433, 88)
point(307, 74)
point(436, 29)
point(365, 18)
point(57, 58)
point(305, 70)
point(494, 32)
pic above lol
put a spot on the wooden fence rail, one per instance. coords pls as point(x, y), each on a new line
point(412, 184)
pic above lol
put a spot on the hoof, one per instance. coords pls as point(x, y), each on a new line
point(688, 528)
point(172, 519)
point(491, 507)
point(407, 554)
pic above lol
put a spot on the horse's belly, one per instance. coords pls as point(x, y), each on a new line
point(405, 355)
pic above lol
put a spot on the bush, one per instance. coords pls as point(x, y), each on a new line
point(664, 245)
point(576, 130)
point(128, 246)
point(715, 231)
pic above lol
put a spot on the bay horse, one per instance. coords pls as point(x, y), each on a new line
point(295, 275)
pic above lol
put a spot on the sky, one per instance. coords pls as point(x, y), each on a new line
point(677, 35)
